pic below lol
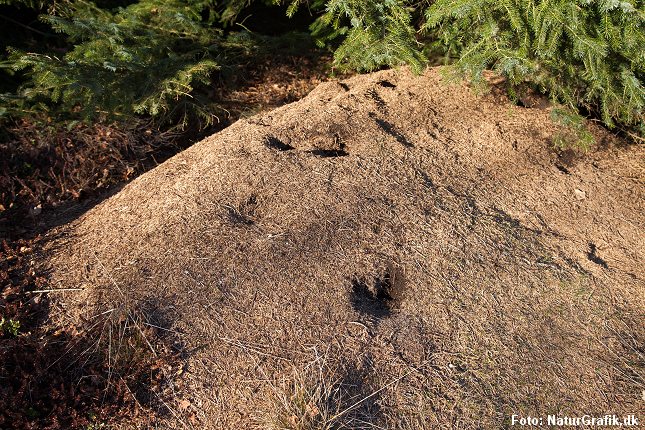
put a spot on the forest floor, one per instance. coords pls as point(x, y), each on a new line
point(53, 173)
point(389, 251)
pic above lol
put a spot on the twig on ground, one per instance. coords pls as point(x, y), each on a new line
point(54, 290)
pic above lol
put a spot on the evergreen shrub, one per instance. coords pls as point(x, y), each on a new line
point(587, 55)
point(149, 56)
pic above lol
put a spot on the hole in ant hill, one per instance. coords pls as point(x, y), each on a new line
point(521, 103)
point(386, 84)
point(378, 100)
point(337, 151)
point(329, 153)
point(236, 217)
point(275, 143)
point(366, 302)
point(379, 299)
point(245, 213)
point(594, 258)
point(344, 86)
point(392, 131)
point(563, 169)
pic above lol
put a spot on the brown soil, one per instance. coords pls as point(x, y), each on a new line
point(389, 251)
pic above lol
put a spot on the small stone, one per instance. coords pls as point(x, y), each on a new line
point(580, 195)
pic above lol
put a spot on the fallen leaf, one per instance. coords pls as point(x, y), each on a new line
point(312, 410)
point(184, 404)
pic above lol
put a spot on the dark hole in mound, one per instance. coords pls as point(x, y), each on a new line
point(567, 158)
point(245, 213)
point(392, 131)
point(238, 218)
point(275, 143)
point(382, 298)
point(336, 150)
point(380, 103)
point(329, 153)
point(386, 84)
point(563, 169)
point(344, 86)
point(593, 257)
point(365, 302)
point(383, 288)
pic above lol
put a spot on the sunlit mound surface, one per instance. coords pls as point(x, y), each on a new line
point(389, 252)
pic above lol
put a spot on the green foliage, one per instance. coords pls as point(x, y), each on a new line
point(584, 53)
point(149, 58)
point(575, 134)
point(374, 34)
point(143, 59)
point(9, 327)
